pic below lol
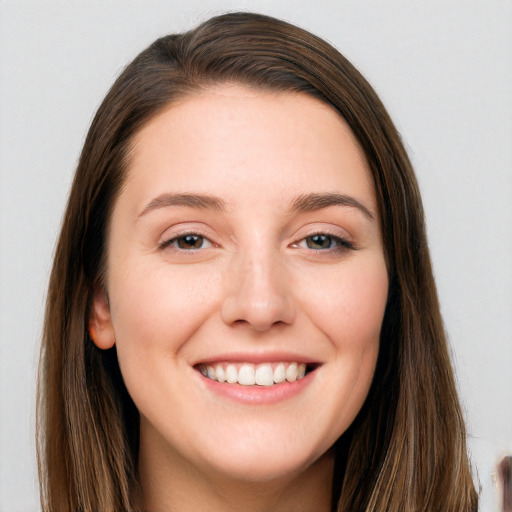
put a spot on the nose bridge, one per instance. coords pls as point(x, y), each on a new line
point(257, 292)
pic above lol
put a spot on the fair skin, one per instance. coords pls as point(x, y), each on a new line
point(246, 236)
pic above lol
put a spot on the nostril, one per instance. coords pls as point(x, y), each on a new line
point(258, 304)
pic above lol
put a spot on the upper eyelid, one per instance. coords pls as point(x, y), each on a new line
point(172, 232)
point(343, 238)
point(343, 241)
point(336, 232)
point(166, 242)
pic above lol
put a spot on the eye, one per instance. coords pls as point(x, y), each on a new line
point(323, 242)
point(319, 242)
point(188, 242)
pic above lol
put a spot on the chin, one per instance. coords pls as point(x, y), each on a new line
point(260, 469)
point(259, 462)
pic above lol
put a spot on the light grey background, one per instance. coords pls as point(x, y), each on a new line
point(444, 70)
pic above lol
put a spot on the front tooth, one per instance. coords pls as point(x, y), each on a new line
point(246, 375)
point(231, 374)
point(301, 371)
point(291, 372)
point(264, 375)
point(210, 372)
point(279, 373)
point(221, 374)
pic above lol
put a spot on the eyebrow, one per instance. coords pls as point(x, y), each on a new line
point(302, 203)
point(201, 201)
point(312, 202)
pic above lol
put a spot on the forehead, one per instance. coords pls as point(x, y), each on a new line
point(229, 139)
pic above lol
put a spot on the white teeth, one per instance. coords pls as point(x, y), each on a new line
point(264, 375)
point(249, 374)
point(210, 372)
point(246, 375)
point(221, 375)
point(279, 373)
point(231, 374)
point(291, 372)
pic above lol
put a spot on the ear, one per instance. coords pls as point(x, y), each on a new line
point(101, 328)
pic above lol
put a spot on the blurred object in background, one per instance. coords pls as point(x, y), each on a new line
point(505, 474)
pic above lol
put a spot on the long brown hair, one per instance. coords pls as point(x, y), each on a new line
point(406, 450)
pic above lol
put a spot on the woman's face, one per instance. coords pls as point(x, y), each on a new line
point(245, 250)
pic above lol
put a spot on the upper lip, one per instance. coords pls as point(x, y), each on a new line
point(257, 358)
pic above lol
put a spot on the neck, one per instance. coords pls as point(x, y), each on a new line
point(172, 484)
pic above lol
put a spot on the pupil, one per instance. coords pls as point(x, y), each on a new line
point(319, 242)
point(190, 242)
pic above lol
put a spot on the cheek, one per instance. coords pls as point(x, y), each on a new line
point(350, 304)
point(159, 308)
point(364, 304)
point(348, 308)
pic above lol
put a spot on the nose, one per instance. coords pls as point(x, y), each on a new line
point(256, 293)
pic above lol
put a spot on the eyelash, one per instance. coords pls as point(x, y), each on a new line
point(340, 244)
point(176, 240)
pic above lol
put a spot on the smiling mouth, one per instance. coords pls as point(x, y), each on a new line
point(263, 374)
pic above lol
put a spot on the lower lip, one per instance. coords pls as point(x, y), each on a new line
point(258, 394)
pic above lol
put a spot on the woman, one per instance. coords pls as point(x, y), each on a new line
point(242, 313)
